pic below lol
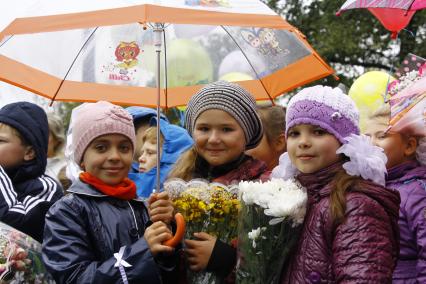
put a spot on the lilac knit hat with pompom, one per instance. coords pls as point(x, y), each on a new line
point(325, 107)
point(101, 118)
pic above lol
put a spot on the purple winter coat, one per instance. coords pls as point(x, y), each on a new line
point(362, 249)
point(410, 180)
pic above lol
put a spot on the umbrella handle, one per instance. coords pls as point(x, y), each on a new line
point(180, 227)
point(180, 231)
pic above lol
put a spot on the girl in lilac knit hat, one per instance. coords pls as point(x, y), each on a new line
point(406, 153)
point(350, 231)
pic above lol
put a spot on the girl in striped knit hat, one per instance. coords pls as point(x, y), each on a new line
point(222, 120)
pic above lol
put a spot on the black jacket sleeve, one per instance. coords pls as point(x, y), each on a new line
point(27, 215)
point(223, 259)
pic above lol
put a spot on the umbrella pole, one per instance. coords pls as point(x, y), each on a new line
point(158, 33)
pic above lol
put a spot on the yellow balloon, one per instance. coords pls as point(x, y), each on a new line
point(235, 76)
point(368, 93)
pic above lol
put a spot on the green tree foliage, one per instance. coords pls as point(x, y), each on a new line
point(354, 39)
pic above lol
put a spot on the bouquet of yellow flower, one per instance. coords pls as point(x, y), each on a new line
point(206, 207)
point(269, 226)
point(20, 258)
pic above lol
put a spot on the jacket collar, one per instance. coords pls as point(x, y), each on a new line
point(81, 188)
point(204, 170)
point(319, 183)
point(406, 171)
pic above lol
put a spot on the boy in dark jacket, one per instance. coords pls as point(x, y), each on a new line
point(26, 193)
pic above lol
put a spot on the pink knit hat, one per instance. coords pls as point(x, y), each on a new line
point(94, 120)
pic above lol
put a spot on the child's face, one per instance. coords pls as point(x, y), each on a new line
point(218, 137)
point(311, 148)
point(148, 158)
point(108, 157)
point(268, 152)
point(52, 143)
point(139, 134)
point(12, 151)
point(392, 143)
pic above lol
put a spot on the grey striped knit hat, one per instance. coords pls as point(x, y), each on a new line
point(232, 99)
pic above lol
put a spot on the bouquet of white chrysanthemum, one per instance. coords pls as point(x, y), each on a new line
point(269, 225)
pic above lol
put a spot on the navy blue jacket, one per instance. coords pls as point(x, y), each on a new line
point(25, 192)
point(86, 228)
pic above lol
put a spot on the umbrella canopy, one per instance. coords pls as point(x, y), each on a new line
point(393, 14)
point(408, 103)
point(105, 50)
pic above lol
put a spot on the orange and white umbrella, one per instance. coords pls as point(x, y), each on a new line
point(154, 53)
point(105, 50)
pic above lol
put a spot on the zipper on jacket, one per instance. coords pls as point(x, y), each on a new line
point(134, 218)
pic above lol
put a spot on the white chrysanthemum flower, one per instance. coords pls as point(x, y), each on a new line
point(255, 234)
point(264, 194)
point(280, 198)
point(246, 192)
point(286, 204)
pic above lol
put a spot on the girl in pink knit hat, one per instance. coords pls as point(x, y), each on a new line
point(101, 232)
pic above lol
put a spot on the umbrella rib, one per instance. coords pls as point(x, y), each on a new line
point(252, 67)
point(72, 64)
point(6, 41)
point(165, 66)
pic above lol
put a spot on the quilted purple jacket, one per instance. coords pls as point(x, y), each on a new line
point(362, 249)
point(410, 180)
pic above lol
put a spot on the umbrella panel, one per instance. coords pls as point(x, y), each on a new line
point(124, 57)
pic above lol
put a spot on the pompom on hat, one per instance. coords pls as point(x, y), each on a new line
point(335, 112)
point(97, 119)
point(234, 100)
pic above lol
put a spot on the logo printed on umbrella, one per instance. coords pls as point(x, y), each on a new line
point(126, 61)
point(264, 41)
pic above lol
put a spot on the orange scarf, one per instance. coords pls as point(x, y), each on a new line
point(124, 190)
